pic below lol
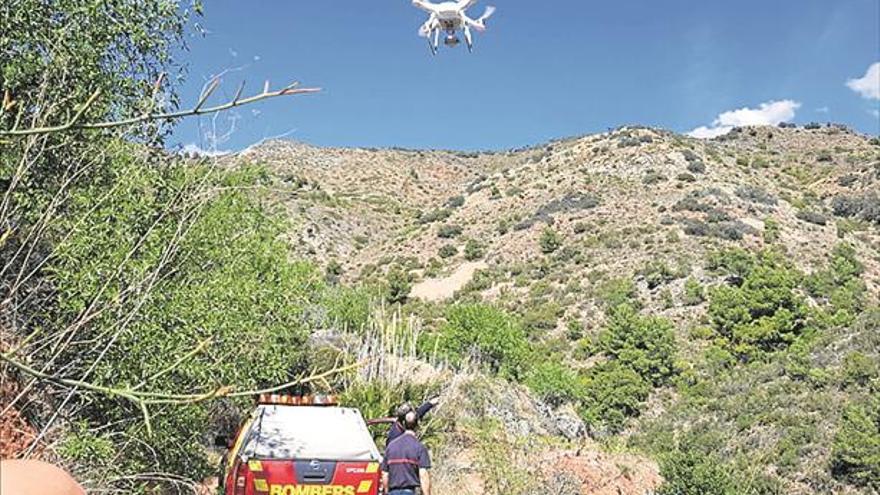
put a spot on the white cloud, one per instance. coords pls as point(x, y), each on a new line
point(875, 113)
point(193, 148)
point(823, 110)
point(704, 132)
point(869, 85)
point(769, 113)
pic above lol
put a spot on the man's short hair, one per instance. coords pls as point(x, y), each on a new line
point(411, 421)
point(403, 410)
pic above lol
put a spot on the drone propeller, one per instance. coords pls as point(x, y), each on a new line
point(486, 15)
point(480, 23)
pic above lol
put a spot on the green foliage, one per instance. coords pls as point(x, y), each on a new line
point(349, 307)
point(765, 313)
point(612, 394)
point(691, 470)
point(658, 273)
point(860, 370)
point(549, 241)
point(398, 285)
point(122, 234)
point(449, 231)
point(447, 251)
point(487, 334)
point(693, 292)
point(618, 291)
point(840, 284)
point(856, 451)
point(644, 344)
point(555, 383)
point(50, 68)
point(434, 216)
point(772, 230)
point(736, 262)
point(474, 250)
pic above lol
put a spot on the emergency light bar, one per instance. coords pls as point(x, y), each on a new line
point(298, 400)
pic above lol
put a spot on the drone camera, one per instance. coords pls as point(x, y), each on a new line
point(451, 40)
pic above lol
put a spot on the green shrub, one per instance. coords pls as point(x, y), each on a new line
point(859, 369)
point(771, 230)
point(398, 285)
point(555, 383)
point(693, 471)
point(550, 240)
point(542, 318)
point(474, 250)
point(455, 202)
point(449, 231)
point(765, 313)
point(855, 455)
point(693, 292)
point(615, 292)
point(658, 273)
point(486, 333)
point(349, 307)
point(612, 394)
point(447, 251)
point(434, 216)
point(642, 343)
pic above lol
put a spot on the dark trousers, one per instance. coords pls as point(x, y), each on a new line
point(402, 491)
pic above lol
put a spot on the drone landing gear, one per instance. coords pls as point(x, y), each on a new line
point(469, 39)
point(435, 43)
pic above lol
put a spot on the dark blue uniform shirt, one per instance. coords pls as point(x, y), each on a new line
point(403, 459)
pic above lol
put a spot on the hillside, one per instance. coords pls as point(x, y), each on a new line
point(617, 201)
point(556, 234)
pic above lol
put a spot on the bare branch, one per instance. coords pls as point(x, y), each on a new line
point(290, 90)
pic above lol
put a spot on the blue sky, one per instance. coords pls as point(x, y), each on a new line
point(543, 70)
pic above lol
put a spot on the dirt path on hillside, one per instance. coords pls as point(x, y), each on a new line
point(440, 289)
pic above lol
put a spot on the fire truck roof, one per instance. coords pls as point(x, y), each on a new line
point(298, 432)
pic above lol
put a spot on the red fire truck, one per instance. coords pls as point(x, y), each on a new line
point(300, 446)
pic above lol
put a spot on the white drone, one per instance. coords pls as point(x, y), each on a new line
point(451, 17)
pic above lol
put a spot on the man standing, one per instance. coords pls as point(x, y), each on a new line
point(397, 428)
point(406, 462)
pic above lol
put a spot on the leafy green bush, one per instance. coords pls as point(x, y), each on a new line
point(447, 251)
point(856, 452)
point(550, 240)
point(434, 216)
point(693, 292)
point(771, 230)
point(449, 231)
point(644, 344)
point(658, 272)
point(860, 369)
point(349, 307)
point(231, 256)
point(765, 313)
point(555, 383)
point(693, 471)
point(487, 334)
point(398, 285)
point(612, 394)
point(474, 250)
point(840, 284)
point(615, 292)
